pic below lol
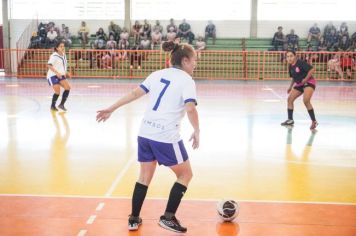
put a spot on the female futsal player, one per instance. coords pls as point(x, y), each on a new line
point(56, 75)
point(171, 93)
point(301, 73)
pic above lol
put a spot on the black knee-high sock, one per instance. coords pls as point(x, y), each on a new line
point(65, 96)
point(54, 99)
point(138, 197)
point(311, 114)
point(177, 192)
point(290, 114)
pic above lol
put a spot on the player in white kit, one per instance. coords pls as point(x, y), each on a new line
point(171, 93)
point(56, 75)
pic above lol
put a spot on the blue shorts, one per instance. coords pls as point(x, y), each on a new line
point(167, 154)
point(55, 80)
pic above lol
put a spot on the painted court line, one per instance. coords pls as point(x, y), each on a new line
point(165, 199)
point(91, 219)
point(100, 206)
point(119, 177)
point(82, 232)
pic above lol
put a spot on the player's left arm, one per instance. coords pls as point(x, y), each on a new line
point(310, 73)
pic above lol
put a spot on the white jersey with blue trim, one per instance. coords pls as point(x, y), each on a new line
point(168, 91)
point(59, 63)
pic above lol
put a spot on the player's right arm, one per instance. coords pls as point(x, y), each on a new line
point(103, 115)
point(50, 63)
point(290, 86)
point(51, 67)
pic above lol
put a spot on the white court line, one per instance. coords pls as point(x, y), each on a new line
point(91, 219)
point(299, 113)
point(82, 232)
point(191, 199)
point(100, 206)
point(271, 100)
point(119, 177)
point(274, 92)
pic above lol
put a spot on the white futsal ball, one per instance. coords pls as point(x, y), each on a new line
point(227, 210)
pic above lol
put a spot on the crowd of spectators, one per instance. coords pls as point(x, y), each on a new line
point(147, 37)
point(331, 40)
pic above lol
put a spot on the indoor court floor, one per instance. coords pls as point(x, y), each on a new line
point(66, 174)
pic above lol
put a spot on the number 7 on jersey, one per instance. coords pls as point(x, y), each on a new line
point(166, 84)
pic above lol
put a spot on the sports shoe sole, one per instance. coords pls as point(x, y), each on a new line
point(134, 228)
point(168, 228)
point(65, 110)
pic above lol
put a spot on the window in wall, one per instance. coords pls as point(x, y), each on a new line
point(316, 10)
point(68, 9)
point(191, 9)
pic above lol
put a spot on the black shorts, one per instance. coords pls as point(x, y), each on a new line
point(301, 88)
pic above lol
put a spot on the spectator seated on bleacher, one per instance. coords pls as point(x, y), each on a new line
point(123, 45)
point(347, 63)
point(115, 30)
point(344, 43)
point(50, 25)
point(136, 29)
point(145, 43)
point(146, 29)
point(353, 38)
point(293, 40)
point(334, 65)
point(51, 38)
point(171, 35)
point(185, 32)
point(322, 45)
point(63, 29)
point(172, 27)
point(35, 41)
point(111, 56)
point(156, 36)
point(136, 56)
point(314, 33)
point(124, 34)
point(332, 40)
point(210, 32)
point(100, 38)
point(200, 45)
point(83, 34)
point(328, 28)
point(158, 27)
point(67, 37)
point(344, 30)
point(111, 43)
point(96, 56)
point(278, 39)
point(308, 56)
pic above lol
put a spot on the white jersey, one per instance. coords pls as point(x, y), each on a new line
point(168, 91)
point(59, 63)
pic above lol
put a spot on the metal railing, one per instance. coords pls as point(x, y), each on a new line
point(228, 65)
